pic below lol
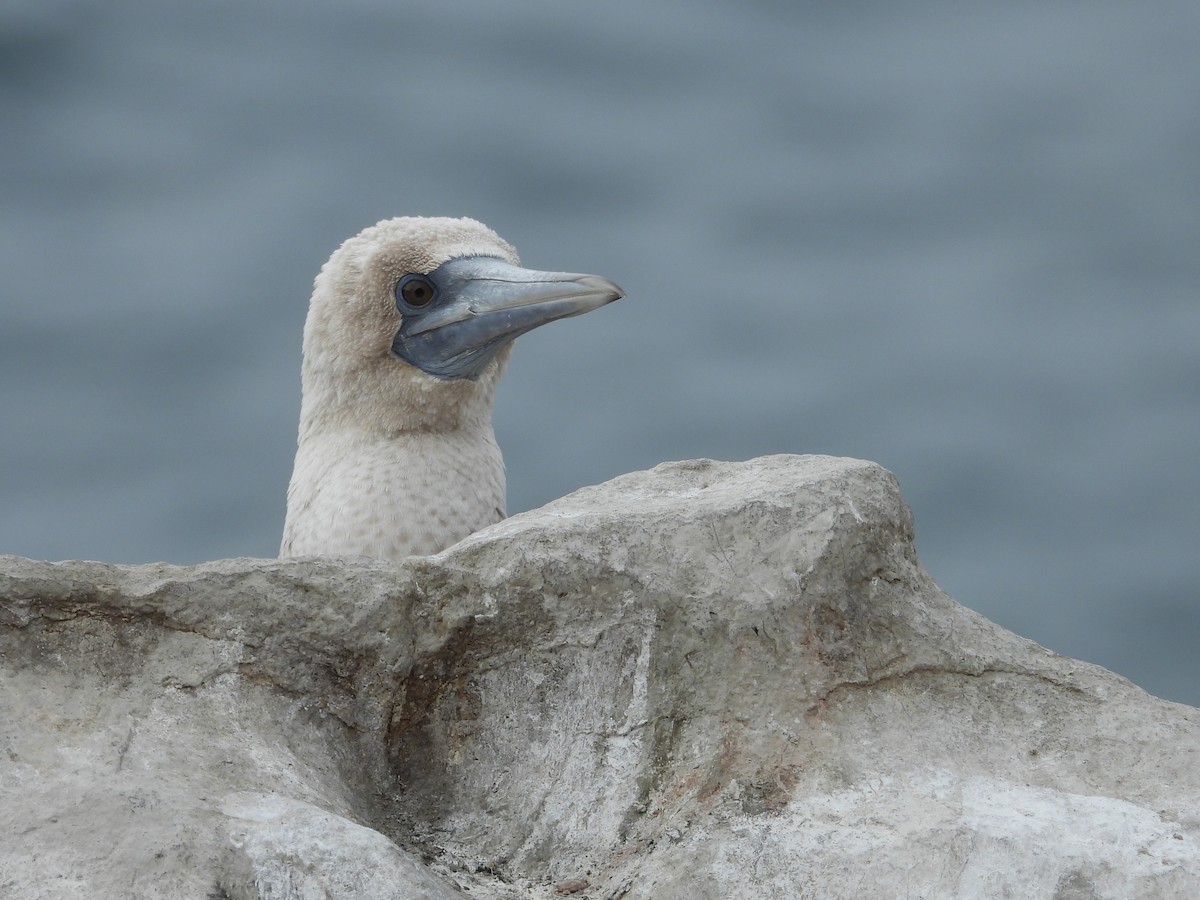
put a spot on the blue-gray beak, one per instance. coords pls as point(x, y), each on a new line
point(456, 318)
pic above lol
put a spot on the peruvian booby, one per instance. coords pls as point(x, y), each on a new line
point(409, 328)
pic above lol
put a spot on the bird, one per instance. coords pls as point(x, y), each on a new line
point(409, 328)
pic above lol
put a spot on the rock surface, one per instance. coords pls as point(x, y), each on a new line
point(706, 680)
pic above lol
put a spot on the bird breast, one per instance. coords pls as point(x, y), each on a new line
point(388, 498)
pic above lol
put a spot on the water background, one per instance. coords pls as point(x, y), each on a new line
point(962, 240)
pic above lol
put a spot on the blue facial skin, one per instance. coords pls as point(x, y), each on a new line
point(456, 318)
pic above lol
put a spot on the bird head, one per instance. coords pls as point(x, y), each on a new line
point(412, 320)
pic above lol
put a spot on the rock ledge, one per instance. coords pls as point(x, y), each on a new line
point(706, 680)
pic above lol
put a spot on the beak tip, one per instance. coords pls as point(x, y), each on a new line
point(610, 289)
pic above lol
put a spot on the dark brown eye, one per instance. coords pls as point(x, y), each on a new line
point(415, 291)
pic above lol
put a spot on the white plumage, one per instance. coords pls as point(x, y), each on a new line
point(408, 331)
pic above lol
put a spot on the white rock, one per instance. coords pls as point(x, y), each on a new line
point(707, 680)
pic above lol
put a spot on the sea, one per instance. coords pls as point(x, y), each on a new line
point(959, 239)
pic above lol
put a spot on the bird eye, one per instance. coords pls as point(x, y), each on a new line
point(415, 291)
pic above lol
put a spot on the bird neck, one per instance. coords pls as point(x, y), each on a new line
point(393, 402)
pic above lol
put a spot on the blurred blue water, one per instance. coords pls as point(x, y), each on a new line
point(958, 240)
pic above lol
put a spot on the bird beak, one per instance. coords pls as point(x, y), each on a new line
point(481, 304)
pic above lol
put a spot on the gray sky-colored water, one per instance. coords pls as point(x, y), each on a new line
point(957, 239)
